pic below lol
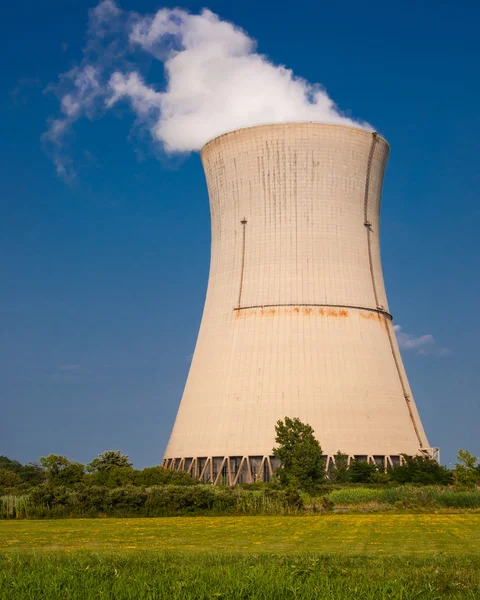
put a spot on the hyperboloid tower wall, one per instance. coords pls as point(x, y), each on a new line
point(296, 320)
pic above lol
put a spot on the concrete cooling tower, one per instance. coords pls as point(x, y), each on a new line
point(296, 320)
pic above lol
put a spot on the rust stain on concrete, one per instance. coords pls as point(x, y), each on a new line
point(306, 311)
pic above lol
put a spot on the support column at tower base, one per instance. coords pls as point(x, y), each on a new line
point(230, 470)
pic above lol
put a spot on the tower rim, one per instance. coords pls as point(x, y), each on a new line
point(283, 124)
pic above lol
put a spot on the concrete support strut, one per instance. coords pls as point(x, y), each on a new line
point(232, 470)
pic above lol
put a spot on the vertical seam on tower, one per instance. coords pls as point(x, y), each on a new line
point(375, 293)
point(402, 383)
point(366, 222)
point(243, 222)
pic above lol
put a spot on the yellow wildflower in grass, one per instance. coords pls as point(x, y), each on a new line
point(389, 533)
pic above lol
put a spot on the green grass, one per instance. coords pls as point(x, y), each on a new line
point(338, 557)
point(389, 534)
point(147, 575)
point(422, 496)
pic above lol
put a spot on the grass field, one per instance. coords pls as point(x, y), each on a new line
point(389, 534)
point(361, 556)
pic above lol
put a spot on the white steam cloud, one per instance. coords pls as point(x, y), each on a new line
point(214, 81)
point(422, 344)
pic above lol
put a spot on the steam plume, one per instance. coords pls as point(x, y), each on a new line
point(215, 81)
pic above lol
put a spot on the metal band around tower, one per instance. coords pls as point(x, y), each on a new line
point(314, 305)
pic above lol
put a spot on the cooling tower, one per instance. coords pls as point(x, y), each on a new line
point(296, 320)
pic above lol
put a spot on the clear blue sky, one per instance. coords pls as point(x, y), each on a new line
point(103, 282)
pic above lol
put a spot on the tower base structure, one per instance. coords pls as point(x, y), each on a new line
point(230, 470)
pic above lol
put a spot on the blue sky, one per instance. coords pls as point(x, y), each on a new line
point(104, 279)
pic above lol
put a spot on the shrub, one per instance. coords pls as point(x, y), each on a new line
point(171, 499)
point(362, 472)
point(32, 474)
point(327, 503)
point(9, 479)
point(94, 499)
point(112, 478)
point(128, 500)
point(10, 465)
point(339, 473)
point(160, 476)
point(422, 470)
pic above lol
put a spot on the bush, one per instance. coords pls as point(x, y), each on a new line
point(160, 476)
point(112, 478)
point(170, 499)
point(327, 503)
point(340, 473)
point(9, 479)
point(422, 470)
point(128, 500)
point(362, 472)
point(94, 499)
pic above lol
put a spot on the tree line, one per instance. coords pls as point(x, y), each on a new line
point(299, 452)
point(303, 464)
point(110, 485)
point(111, 469)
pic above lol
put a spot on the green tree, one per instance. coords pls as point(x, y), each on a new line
point(300, 454)
point(339, 473)
point(32, 474)
point(10, 465)
point(107, 460)
point(362, 472)
point(113, 477)
point(9, 479)
point(160, 476)
point(60, 470)
point(467, 470)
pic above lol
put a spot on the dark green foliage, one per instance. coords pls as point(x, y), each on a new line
point(300, 454)
point(94, 500)
point(32, 474)
point(167, 500)
point(202, 499)
point(340, 473)
point(362, 472)
point(128, 500)
point(422, 470)
point(61, 471)
point(160, 476)
point(45, 501)
point(60, 488)
point(9, 479)
point(110, 459)
point(10, 465)
point(293, 498)
point(112, 477)
point(120, 476)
